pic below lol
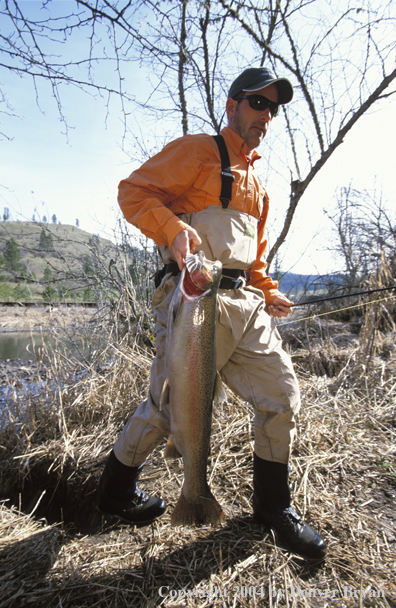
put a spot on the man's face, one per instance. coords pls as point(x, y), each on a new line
point(251, 125)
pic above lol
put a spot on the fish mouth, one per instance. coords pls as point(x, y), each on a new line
point(191, 288)
point(200, 275)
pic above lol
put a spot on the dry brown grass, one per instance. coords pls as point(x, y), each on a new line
point(343, 477)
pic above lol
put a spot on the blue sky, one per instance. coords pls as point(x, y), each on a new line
point(45, 172)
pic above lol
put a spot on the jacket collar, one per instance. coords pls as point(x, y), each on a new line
point(237, 145)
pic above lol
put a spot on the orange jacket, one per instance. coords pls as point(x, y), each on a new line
point(185, 177)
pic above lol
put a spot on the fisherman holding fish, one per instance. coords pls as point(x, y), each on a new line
point(201, 194)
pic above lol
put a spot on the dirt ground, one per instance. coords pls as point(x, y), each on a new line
point(41, 317)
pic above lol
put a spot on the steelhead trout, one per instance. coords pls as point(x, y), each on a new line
point(191, 385)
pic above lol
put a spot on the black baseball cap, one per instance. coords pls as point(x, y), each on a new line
point(254, 79)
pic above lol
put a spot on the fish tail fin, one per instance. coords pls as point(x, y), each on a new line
point(171, 450)
point(205, 511)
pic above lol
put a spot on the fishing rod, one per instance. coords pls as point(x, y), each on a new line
point(348, 295)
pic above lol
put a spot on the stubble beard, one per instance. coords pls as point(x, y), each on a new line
point(251, 138)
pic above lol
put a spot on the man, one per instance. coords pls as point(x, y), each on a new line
point(174, 199)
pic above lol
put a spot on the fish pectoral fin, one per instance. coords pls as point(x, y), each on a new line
point(219, 393)
point(164, 400)
point(171, 452)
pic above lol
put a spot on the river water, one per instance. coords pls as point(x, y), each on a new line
point(26, 345)
point(22, 345)
point(23, 348)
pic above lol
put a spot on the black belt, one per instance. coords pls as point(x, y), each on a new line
point(231, 278)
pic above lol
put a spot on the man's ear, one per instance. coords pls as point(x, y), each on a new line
point(231, 106)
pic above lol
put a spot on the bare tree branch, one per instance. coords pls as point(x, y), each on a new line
point(334, 54)
point(298, 187)
point(182, 61)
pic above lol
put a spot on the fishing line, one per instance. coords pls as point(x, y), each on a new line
point(347, 295)
point(329, 312)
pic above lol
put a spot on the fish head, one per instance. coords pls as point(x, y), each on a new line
point(201, 275)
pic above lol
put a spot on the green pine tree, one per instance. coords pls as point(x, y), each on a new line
point(49, 294)
point(47, 274)
point(12, 256)
point(46, 242)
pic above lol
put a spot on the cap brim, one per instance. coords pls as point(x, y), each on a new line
point(284, 86)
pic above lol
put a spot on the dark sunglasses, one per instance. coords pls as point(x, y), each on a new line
point(261, 103)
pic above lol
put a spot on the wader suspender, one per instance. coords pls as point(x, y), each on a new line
point(226, 174)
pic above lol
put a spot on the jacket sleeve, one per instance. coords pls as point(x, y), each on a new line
point(146, 195)
point(258, 276)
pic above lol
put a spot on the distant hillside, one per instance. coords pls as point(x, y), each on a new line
point(61, 262)
point(47, 256)
point(307, 285)
point(67, 240)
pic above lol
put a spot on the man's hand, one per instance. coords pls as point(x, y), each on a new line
point(280, 307)
point(183, 243)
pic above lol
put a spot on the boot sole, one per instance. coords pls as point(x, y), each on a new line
point(137, 524)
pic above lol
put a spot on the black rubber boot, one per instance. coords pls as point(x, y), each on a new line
point(271, 506)
point(120, 496)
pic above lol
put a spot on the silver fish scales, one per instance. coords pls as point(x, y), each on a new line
point(191, 386)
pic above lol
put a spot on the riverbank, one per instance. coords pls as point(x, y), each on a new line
point(43, 317)
point(57, 549)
